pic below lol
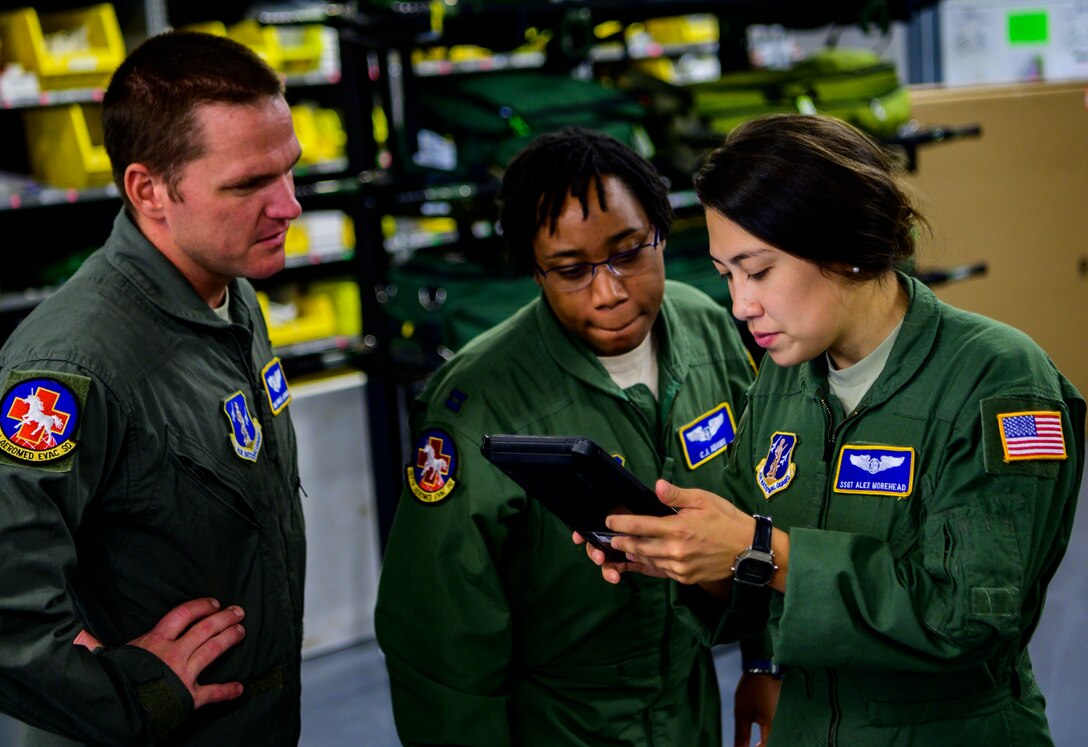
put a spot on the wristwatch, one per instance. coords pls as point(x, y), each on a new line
point(761, 666)
point(755, 566)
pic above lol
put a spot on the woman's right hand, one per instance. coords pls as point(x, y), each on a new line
point(611, 570)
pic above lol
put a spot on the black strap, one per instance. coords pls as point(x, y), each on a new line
point(762, 540)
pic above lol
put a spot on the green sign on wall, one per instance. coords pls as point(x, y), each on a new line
point(1028, 27)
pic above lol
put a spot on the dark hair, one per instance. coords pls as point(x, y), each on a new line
point(149, 109)
point(559, 164)
point(814, 187)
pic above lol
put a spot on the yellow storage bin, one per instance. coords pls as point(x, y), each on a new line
point(215, 28)
point(344, 295)
point(315, 319)
point(287, 49)
point(699, 28)
point(66, 146)
point(297, 241)
point(320, 133)
point(67, 49)
point(320, 235)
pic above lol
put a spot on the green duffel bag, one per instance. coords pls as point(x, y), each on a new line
point(739, 96)
point(490, 117)
point(855, 85)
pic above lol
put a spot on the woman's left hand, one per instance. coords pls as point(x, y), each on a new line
point(699, 544)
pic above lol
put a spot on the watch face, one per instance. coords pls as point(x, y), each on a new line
point(754, 571)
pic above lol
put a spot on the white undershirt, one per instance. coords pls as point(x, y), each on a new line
point(851, 384)
point(223, 310)
point(638, 366)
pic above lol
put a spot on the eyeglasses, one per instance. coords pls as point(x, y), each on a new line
point(625, 264)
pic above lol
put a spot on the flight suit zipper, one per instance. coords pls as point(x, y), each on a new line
point(831, 436)
point(829, 432)
point(836, 712)
point(282, 499)
point(830, 439)
point(832, 430)
point(650, 722)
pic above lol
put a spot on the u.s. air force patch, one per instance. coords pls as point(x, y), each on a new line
point(245, 431)
point(39, 417)
point(708, 435)
point(775, 472)
point(430, 476)
point(875, 470)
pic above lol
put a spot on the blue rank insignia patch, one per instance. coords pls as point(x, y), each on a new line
point(430, 476)
point(275, 386)
point(38, 417)
point(245, 432)
point(775, 471)
point(875, 470)
point(708, 435)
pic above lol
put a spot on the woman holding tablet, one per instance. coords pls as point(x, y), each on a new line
point(903, 479)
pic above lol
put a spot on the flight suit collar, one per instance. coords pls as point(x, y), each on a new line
point(148, 269)
point(674, 348)
point(572, 355)
point(912, 347)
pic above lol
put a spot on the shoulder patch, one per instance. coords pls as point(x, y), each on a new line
point(275, 386)
point(775, 471)
point(875, 470)
point(430, 476)
point(1023, 435)
point(1031, 435)
point(708, 435)
point(40, 416)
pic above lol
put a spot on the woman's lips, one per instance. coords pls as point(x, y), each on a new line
point(765, 339)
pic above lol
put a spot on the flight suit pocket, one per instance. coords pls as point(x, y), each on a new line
point(209, 533)
point(205, 481)
point(973, 552)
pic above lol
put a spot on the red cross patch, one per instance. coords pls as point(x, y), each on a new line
point(430, 477)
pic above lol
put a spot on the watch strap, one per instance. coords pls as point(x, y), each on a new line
point(762, 539)
point(761, 666)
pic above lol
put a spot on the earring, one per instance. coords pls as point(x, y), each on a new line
point(855, 269)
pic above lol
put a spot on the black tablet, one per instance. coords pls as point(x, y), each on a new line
point(576, 480)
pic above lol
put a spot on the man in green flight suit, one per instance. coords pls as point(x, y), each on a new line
point(494, 630)
point(147, 458)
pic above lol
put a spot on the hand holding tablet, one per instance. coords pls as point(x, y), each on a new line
point(576, 480)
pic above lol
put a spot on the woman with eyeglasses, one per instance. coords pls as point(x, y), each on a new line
point(494, 632)
point(903, 482)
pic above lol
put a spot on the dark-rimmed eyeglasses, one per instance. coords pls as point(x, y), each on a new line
point(625, 264)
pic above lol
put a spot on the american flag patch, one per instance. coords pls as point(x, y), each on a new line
point(1031, 435)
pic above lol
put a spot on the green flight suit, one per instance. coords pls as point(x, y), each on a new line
point(155, 505)
point(919, 552)
point(496, 629)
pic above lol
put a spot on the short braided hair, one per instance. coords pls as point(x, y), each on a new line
point(556, 165)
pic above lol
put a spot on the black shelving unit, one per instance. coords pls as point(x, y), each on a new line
point(379, 39)
point(379, 179)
